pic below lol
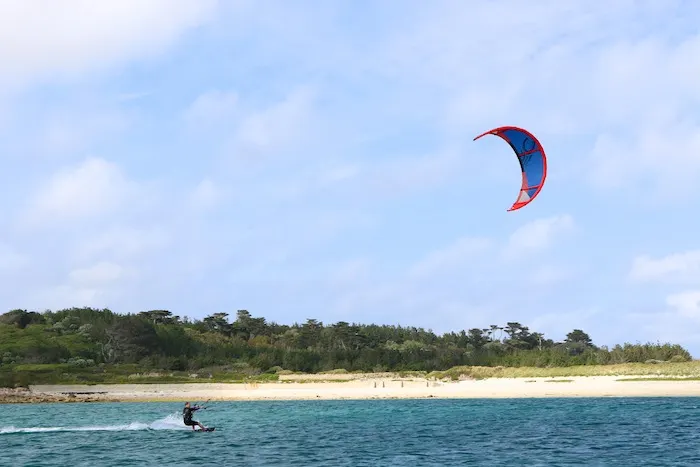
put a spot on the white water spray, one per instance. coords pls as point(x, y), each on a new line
point(171, 422)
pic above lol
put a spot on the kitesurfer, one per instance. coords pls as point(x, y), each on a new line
point(187, 416)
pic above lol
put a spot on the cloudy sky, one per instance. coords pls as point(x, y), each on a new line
point(314, 159)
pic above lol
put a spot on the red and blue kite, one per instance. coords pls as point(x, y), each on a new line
point(533, 161)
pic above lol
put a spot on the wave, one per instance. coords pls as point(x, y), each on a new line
point(171, 422)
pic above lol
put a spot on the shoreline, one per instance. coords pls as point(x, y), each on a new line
point(365, 389)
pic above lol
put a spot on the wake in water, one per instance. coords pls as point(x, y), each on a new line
point(171, 422)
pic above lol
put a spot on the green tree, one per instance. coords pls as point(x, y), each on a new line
point(21, 318)
point(155, 339)
point(579, 337)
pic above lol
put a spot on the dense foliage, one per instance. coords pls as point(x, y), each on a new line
point(157, 340)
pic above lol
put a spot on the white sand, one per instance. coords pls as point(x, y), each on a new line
point(598, 386)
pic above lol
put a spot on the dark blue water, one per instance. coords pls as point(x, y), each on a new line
point(519, 432)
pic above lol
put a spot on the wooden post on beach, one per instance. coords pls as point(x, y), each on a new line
point(382, 383)
point(401, 383)
point(375, 384)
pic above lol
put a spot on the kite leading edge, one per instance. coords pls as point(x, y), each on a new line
point(533, 161)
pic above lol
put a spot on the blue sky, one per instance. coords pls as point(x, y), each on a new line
point(314, 159)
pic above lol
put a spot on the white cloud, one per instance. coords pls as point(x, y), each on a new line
point(98, 285)
point(352, 272)
point(211, 106)
point(677, 323)
point(204, 196)
point(667, 85)
point(646, 132)
point(464, 277)
point(622, 76)
point(48, 40)
point(548, 274)
point(669, 150)
point(96, 187)
point(277, 127)
point(372, 182)
point(442, 261)
point(405, 175)
point(537, 235)
point(65, 296)
point(70, 131)
point(123, 243)
point(685, 304)
point(132, 96)
point(10, 259)
point(337, 175)
point(100, 274)
point(557, 324)
point(675, 268)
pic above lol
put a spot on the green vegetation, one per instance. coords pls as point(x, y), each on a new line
point(663, 378)
point(65, 373)
point(85, 345)
point(670, 370)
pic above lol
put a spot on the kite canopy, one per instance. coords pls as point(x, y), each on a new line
point(532, 158)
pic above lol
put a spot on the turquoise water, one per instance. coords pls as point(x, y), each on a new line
point(531, 432)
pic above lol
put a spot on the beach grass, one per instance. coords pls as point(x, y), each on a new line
point(25, 374)
point(21, 375)
point(670, 369)
point(662, 378)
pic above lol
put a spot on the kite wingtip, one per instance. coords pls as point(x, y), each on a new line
point(490, 132)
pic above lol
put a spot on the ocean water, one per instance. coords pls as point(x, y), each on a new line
point(512, 432)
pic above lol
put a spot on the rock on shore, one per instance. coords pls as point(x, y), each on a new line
point(26, 396)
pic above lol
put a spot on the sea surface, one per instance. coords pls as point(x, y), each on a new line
point(512, 432)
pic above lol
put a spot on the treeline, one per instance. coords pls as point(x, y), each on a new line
point(158, 340)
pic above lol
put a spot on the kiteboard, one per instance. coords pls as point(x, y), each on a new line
point(209, 428)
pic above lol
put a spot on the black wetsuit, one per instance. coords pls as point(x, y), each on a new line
point(187, 416)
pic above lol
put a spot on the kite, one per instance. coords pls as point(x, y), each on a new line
point(533, 161)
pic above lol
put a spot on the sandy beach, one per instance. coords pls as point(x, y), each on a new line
point(592, 386)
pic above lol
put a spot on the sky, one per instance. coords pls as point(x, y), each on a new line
point(315, 159)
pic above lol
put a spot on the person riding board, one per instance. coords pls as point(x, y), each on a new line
point(187, 416)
